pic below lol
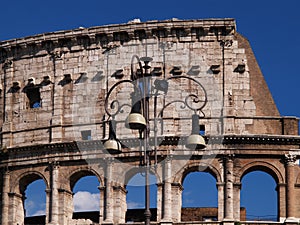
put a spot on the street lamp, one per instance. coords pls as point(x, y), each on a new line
point(138, 119)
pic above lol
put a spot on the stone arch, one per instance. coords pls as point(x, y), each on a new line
point(27, 178)
point(262, 166)
point(133, 171)
point(77, 174)
point(196, 166)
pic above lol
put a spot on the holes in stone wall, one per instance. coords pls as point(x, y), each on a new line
point(176, 71)
point(202, 129)
point(215, 69)
point(81, 79)
point(66, 80)
point(86, 135)
point(15, 87)
point(33, 94)
point(46, 81)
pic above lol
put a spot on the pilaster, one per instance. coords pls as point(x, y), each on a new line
point(237, 201)
point(228, 191)
point(167, 191)
point(102, 204)
point(108, 213)
point(54, 197)
point(220, 187)
point(290, 188)
point(65, 206)
point(120, 206)
point(5, 198)
point(16, 210)
point(176, 201)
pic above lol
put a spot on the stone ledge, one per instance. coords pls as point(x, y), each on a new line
point(126, 27)
point(165, 141)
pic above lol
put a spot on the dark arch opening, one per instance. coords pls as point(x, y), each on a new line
point(199, 197)
point(259, 196)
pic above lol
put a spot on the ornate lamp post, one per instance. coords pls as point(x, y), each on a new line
point(138, 119)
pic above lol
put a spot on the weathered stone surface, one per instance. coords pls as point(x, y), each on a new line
point(62, 140)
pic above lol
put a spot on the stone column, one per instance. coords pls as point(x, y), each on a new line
point(159, 202)
point(120, 207)
point(290, 187)
point(65, 206)
point(54, 200)
point(5, 199)
point(237, 201)
point(16, 209)
point(176, 202)
point(48, 207)
point(108, 198)
point(167, 191)
point(281, 193)
point(228, 191)
point(101, 210)
point(220, 187)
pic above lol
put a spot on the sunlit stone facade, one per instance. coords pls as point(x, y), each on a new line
point(54, 123)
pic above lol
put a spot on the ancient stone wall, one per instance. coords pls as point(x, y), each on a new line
point(56, 101)
point(75, 69)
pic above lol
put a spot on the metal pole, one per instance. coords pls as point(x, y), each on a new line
point(146, 97)
point(147, 194)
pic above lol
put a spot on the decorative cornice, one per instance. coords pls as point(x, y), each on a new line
point(260, 140)
point(164, 141)
point(105, 36)
point(170, 26)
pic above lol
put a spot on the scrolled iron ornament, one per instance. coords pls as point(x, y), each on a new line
point(115, 107)
point(194, 98)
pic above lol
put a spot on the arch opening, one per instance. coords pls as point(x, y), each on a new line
point(259, 195)
point(135, 198)
point(199, 197)
point(86, 197)
point(33, 191)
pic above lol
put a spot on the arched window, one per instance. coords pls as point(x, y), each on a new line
point(33, 93)
point(135, 198)
point(199, 197)
point(259, 196)
point(86, 199)
point(34, 97)
point(35, 201)
point(86, 194)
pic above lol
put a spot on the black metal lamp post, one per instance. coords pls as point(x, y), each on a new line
point(138, 119)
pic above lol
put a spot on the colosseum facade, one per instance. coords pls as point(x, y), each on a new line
point(58, 94)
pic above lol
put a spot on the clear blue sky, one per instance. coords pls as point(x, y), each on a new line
point(272, 27)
